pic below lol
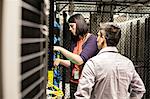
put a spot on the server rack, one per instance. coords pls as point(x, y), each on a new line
point(24, 44)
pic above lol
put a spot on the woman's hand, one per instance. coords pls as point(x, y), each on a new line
point(56, 62)
point(57, 48)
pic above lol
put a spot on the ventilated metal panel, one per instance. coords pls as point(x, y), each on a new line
point(33, 50)
point(0, 48)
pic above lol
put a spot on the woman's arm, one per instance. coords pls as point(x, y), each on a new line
point(63, 62)
point(76, 59)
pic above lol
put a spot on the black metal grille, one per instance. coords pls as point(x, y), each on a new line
point(33, 51)
point(147, 57)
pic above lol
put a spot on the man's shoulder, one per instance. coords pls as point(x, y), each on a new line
point(96, 58)
point(125, 58)
point(102, 57)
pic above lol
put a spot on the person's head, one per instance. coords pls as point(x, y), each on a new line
point(108, 35)
point(78, 25)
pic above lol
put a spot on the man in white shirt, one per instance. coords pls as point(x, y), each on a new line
point(109, 75)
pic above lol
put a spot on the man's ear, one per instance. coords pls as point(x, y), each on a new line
point(103, 39)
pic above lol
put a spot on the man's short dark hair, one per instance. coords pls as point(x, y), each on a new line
point(112, 33)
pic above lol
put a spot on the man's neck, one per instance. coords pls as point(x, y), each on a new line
point(104, 45)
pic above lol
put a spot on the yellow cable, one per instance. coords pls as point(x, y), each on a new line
point(58, 91)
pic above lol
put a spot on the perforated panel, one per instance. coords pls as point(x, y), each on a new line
point(33, 50)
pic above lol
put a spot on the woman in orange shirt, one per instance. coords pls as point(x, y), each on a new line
point(83, 47)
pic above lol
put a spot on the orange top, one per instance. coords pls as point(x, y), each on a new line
point(77, 50)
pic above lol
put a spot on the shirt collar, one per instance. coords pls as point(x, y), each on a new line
point(108, 49)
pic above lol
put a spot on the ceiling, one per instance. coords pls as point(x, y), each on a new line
point(120, 6)
point(117, 1)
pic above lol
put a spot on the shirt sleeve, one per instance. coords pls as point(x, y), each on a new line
point(137, 87)
point(89, 48)
point(86, 81)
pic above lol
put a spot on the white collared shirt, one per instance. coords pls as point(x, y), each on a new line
point(108, 75)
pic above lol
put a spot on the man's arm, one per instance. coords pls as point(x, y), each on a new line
point(86, 81)
point(137, 87)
